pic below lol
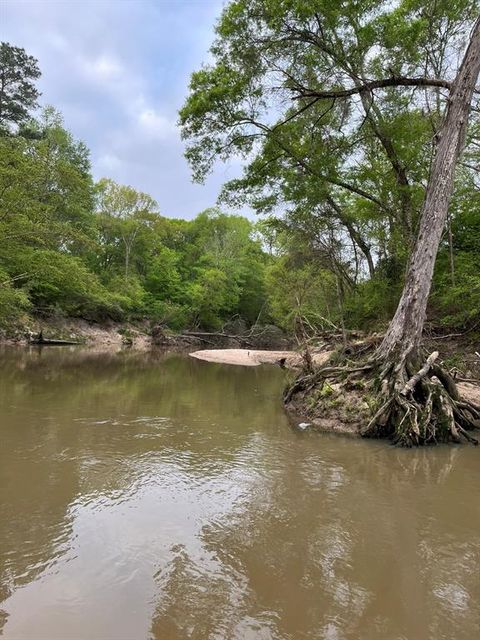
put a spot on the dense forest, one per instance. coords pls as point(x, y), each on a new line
point(337, 182)
point(347, 168)
point(102, 251)
point(358, 121)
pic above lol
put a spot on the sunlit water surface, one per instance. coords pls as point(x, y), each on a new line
point(156, 496)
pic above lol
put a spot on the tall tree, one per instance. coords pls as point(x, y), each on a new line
point(404, 334)
point(409, 402)
point(128, 210)
point(18, 93)
point(335, 61)
point(305, 92)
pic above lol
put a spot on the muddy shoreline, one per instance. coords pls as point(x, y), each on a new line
point(140, 337)
point(349, 418)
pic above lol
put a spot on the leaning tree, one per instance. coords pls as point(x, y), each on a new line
point(346, 66)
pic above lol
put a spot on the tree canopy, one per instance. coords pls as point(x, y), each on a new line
point(335, 109)
point(18, 92)
point(102, 250)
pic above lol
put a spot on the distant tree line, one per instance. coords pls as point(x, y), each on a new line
point(73, 247)
point(337, 180)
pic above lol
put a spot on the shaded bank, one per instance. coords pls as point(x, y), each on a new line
point(141, 334)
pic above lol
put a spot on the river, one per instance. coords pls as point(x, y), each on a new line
point(153, 496)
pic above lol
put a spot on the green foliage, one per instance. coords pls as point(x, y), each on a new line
point(340, 172)
point(173, 315)
point(456, 302)
point(301, 291)
point(339, 181)
point(13, 302)
point(372, 303)
point(61, 282)
point(18, 93)
point(103, 251)
point(162, 277)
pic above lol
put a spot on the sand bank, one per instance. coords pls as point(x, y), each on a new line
point(253, 358)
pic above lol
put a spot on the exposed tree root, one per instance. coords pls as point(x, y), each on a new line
point(410, 400)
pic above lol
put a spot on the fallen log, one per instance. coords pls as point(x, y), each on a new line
point(40, 340)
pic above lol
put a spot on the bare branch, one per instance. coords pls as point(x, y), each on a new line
point(394, 81)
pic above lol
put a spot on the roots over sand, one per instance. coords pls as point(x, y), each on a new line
point(409, 400)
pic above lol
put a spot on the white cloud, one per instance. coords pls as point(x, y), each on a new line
point(119, 73)
point(155, 124)
point(106, 68)
point(108, 162)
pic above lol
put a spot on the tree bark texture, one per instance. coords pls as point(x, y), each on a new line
point(405, 331)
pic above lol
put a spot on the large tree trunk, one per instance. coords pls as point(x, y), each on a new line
point(405, 331)
point(395, 393)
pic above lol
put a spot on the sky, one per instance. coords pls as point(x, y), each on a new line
point(118, 71)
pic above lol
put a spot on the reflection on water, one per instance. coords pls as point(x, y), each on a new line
point(157, 496)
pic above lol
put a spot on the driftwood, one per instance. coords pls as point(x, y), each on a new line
point(40, 340)
point(414, 380)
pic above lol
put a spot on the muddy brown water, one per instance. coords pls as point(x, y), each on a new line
point(156, 496)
